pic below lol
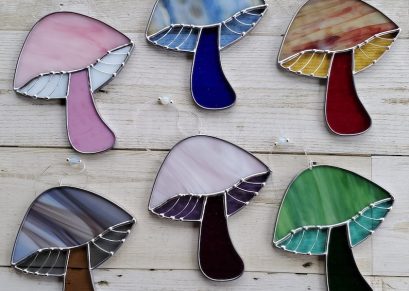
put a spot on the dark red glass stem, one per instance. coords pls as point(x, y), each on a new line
point(217, 257)
point(344, 111)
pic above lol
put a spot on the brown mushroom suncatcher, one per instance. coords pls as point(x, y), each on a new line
point(334, 40)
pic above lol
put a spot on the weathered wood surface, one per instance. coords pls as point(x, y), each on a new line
point(187, 280)
point(271, 103)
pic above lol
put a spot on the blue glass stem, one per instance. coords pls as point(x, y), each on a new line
point(210, 88)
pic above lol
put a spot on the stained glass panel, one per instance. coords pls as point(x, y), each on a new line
point(319, 206)
point(206, 179)
point(204, 27)
point(45, 243)
point(65, 51)
point(327, 35)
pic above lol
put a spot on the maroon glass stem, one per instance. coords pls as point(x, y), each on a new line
point(217, 257)
point(344, 111)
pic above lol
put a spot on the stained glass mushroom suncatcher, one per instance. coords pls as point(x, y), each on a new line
point(333, 40)
point(204, 27)
point(205, 179)
point(326, 211)
point(70, 56)
point(66, 233)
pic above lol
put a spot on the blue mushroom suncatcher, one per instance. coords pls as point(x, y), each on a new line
point(204, 27)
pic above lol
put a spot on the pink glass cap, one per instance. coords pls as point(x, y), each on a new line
point(65, 41)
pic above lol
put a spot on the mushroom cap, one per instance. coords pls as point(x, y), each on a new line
point(201, 166)
point(325, 27)
point(323, 197)
point(65, 217)
point(176, 24)
point(65, 42)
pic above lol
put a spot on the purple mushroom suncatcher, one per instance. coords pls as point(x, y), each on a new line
point(67, 232)
point(204, 27)
point(205, 179)
point(70, 56)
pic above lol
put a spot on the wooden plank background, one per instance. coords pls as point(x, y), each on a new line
point(161, 254)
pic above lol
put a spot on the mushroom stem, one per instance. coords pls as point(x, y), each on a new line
point(87, 131)
point(210, 87)
point(344, 111)
point(78, 276)
point(218, 259)
point(342, 271)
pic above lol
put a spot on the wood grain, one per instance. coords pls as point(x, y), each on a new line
point(187, 280)
point(161, 254)
point(270, 101)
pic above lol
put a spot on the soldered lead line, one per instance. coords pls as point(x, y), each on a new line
point(385, 38)
point(175, 38)
point(291, 237)
point(315, 242)
point(241, 22)
point(194, 207)
point(238, 200)
point(33, 85)
point(56, 86)
point(187, 204)
point(183, 42)
point(300, 55)
point(156, 41)
point(322, 61)
point(299, 243)
point(369, 58)
point(55, 262)
point(370, 231)
point(111, 240)
point(235, 32)
point(371, 218)
point(378, 45)
point(31, 263)
point(43, 264)
point(102, 249)
point(101, 71)
point(110, 64)
point(164, 213)
point(300, 70)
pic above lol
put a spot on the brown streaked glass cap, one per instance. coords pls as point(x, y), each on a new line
point(322, 28)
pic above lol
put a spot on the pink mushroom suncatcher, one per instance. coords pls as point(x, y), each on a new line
point(70, 56)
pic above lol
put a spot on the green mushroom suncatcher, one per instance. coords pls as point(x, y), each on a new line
point(326, 211)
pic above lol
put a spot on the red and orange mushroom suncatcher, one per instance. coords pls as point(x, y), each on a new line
point(335, 39)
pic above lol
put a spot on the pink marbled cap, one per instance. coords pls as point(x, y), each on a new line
point(65, 41)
